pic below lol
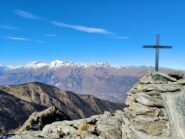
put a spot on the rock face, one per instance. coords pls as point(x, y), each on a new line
point(39, 119)
point(155, 110)
point(177, 75)
point(155, 107)
point(175, 104)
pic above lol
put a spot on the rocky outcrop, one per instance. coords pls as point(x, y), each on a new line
point(155, 110)
point(152, 106)
point(39, 119)
point(177, 75)
point(107, 125)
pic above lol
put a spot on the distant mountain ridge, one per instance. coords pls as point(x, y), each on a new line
point(57, 64)
point(19, 101)
point(101, 80)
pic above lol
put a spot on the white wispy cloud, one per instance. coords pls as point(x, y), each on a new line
point(8, 27)
point(82, 28)
point(16, 38)
point(26, 14)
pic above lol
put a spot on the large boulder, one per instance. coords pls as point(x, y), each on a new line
point(39, 119)
point(177, 75)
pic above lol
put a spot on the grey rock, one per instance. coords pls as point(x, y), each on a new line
point(175, 106)
point(106, 126)
point(152, 128)
point(182, 82)
point(159, 87)
point(163, 113)
point(162, 76)
point(153, 93)
point(148, 100)
point(149, 79)
point(146, 118)
point(177, 75)
point(28, 135)
point(139, 109)
point(131, 98)
point(39, 119)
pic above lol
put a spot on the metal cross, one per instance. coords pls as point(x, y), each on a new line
point(157, 47)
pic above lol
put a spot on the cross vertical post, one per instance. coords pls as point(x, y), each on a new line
point(157, 53)
point(157, 47)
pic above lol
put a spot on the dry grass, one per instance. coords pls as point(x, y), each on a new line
point(84, 127)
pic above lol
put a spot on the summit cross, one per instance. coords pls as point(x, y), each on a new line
point(157, 47)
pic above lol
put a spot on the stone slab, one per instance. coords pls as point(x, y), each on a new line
point(175, 106)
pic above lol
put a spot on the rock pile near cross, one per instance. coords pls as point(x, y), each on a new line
point(155, 110)
point(152, 107)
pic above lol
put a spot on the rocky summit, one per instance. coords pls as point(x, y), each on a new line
point(155, 109)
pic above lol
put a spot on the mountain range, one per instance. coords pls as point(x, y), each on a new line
point(20, 101)
point(101, 80)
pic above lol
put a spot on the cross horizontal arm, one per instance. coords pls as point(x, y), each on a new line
point(165, 46)
point(156, 46)
point(149, 46)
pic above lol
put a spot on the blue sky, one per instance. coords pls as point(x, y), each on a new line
point(92, 30)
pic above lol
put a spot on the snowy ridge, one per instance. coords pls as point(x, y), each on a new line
point(57, 64)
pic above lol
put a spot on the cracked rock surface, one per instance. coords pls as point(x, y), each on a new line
point(155, 109)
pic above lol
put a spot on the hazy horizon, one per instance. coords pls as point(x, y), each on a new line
point(84, 63)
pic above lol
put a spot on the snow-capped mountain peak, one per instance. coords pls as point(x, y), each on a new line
point(35, 64)
point(57, 64)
